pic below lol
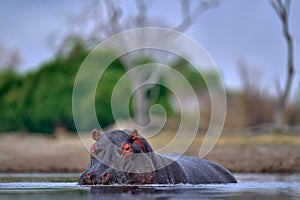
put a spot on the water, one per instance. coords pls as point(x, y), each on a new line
point(64, 186)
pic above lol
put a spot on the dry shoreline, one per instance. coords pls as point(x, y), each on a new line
point(267, 153)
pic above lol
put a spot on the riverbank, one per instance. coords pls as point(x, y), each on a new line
point(265, 153)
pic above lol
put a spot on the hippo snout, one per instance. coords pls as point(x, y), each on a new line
point(92, 178)
point(102, 175)
point(104, 179)
point(86, 178)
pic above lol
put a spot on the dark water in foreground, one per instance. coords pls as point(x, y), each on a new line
point(64, 186)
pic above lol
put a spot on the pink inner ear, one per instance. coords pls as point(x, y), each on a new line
point(106, 175)
point(93, 150)
point(95, 134)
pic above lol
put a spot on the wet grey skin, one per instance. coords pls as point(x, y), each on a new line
point(124, 157)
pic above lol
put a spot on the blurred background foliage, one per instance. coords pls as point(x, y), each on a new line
point(40, 101)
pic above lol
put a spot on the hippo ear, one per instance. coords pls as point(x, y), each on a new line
point(140, 141)
point(95, 134)
point(134, 135)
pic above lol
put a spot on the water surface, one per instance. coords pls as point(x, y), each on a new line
point(64, 186)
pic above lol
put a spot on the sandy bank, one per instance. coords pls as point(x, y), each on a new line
point(37, 153)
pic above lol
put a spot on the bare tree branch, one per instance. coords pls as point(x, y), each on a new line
point(190, 15)
point(114, 13)
point(107, 17)
point(142, 12)
point(283, 11)
point(278, 87)
point(287, 5)
point(276, 8)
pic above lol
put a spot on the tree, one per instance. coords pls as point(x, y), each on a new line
point(282, 9)
point(106, 18)
point(41, 100)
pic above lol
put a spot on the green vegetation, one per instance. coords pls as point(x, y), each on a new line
point(195, 78)
point(41, 101)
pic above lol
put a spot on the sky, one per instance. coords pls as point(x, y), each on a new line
point(237, 31)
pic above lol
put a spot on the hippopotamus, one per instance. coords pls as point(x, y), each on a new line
point(125, 157)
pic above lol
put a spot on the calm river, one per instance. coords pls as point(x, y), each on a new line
point(64, 186)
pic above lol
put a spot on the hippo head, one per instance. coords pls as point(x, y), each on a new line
point(119, 156)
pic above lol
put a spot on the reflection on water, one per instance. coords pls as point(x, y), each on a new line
point(63, 186)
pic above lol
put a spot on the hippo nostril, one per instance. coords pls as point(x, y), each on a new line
point(105, 179)
point(106, 175)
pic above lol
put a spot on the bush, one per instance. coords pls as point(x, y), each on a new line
point(42, 100)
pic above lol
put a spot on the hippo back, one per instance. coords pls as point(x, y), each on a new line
point(198, 171)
